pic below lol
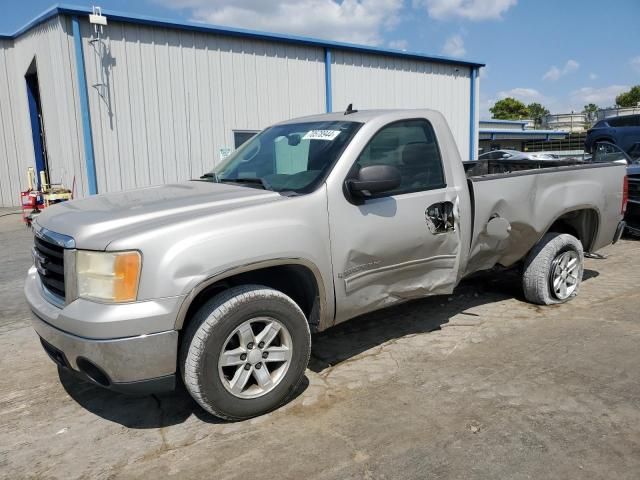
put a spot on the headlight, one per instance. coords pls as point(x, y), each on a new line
point(108, 276)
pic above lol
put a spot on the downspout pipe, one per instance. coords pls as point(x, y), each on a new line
point(472, 115)
point(85, 115)
point(327, 80)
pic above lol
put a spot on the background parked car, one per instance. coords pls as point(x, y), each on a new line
point(607, 152)
point(622, 131)
point(632, 215)
point(516, 155)
point(513, 160)
point(634, 152)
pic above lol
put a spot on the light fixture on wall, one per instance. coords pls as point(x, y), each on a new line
point(98, 21)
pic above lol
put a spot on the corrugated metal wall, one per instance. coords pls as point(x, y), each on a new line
point(171, 99)
point(376, 81)
point(10, 164)
point(163, 101)
point(51, 45)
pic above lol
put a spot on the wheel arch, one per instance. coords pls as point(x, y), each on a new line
point(582, 223)
point(298, 278)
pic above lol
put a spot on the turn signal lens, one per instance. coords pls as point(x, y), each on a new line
point(108, 276)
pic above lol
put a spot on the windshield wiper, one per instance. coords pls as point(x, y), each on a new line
point(210, 175)
point(250, 180)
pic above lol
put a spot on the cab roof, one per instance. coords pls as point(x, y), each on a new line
point(360, 116)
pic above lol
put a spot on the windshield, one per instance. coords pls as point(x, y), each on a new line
point(292, 157)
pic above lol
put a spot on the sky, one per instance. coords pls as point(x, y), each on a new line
point(561, 53)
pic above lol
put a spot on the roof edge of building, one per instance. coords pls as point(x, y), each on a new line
point(524, 132)
point(495, 120)
point(66, 9)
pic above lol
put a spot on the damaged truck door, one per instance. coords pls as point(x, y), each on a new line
point(403, 242)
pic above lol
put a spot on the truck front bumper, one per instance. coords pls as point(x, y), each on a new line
point(142, 363)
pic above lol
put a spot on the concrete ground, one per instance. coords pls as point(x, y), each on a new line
point(476, 385)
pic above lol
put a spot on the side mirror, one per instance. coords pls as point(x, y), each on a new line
point(374, 179)
point(505, 155)
point(293, 139)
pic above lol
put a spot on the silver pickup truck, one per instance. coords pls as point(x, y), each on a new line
point(221, 280)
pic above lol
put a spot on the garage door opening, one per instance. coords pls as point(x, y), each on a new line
point(37, 123)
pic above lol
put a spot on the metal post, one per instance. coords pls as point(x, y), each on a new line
point(472, 113)
point(327, 80)
point(84, 108)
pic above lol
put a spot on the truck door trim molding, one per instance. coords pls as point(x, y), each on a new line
point(447, 261)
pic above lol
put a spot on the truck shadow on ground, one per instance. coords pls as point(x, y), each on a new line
point(360, 334)
point(330, 348)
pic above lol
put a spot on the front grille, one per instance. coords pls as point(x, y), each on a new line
point(49, 261)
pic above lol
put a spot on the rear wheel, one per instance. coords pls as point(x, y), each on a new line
point(553, 269)
point(245, 351)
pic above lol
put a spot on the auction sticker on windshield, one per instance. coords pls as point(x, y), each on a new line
point(321, 135)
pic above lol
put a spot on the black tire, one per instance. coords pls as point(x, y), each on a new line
point(539, 265)
point(207, 333)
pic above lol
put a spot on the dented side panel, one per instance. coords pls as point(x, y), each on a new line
point(397, 248)
point(532, 201)
point(387, 253)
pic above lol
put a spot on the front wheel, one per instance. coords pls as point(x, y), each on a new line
point(553, 269)
point(245, 352)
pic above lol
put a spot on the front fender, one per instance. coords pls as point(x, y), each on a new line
point(182, 257)
point(325, 307)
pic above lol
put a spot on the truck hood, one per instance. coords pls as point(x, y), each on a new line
point(96, 221)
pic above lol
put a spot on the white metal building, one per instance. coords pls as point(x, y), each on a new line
point(571, 122)
point(151, 101)
point(617, 112)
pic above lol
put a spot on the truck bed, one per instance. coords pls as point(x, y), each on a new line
point(532, 199)
point(477, 168)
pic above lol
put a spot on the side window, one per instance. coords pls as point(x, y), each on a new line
point(411, 147)
point(607, 152)
point(239, 137)
point(624, 121)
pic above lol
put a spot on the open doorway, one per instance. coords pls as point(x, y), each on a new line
point(37, 123)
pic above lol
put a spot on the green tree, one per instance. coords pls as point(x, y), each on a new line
point(509, 109)
point(591, 112)
point(630, 98)
point(537, 112)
